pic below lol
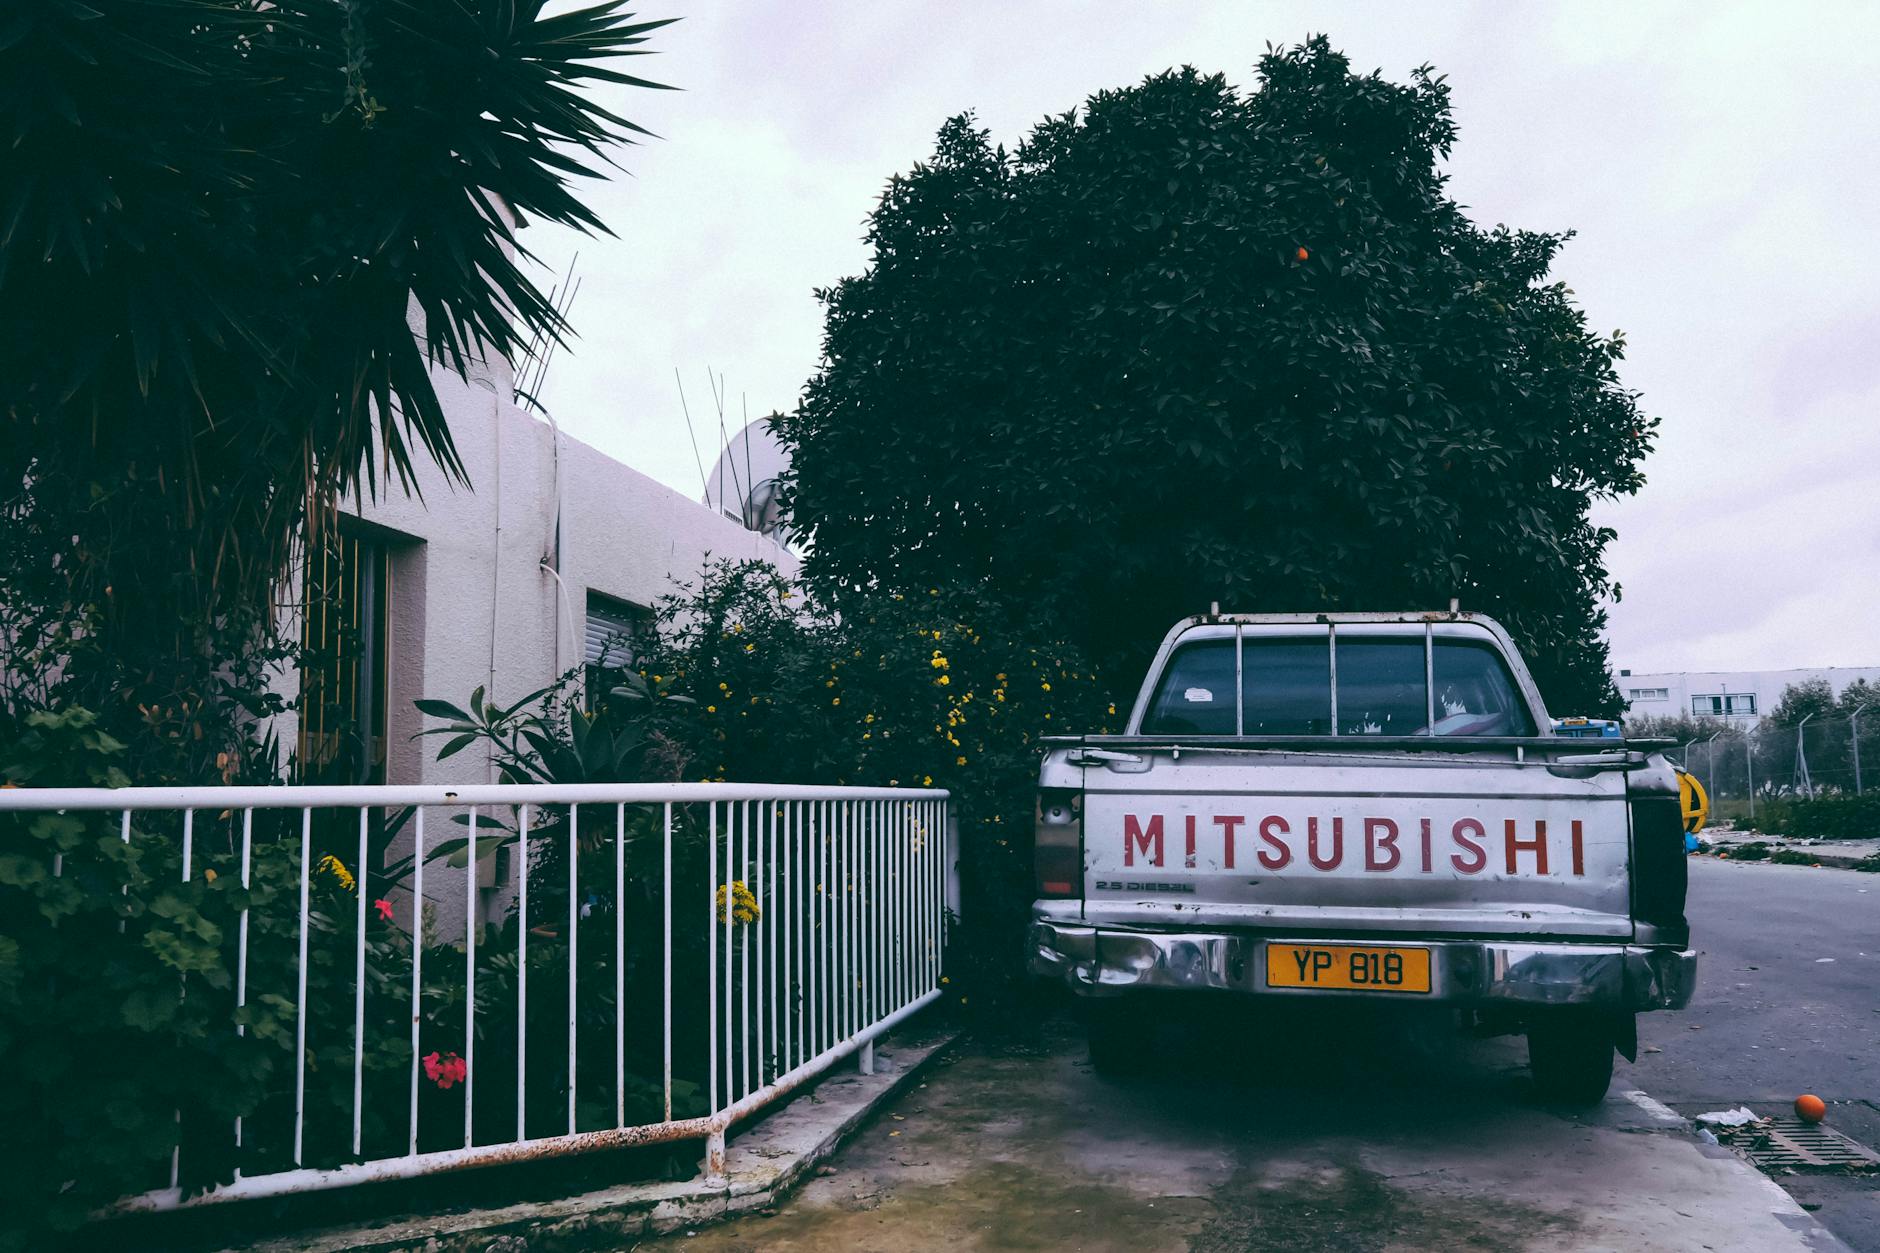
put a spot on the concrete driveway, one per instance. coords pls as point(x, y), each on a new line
point(1316, 1133)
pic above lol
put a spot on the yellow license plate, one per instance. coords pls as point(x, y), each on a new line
point(1347, 968)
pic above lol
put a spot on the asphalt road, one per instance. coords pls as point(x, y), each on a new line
point(1788, 1002)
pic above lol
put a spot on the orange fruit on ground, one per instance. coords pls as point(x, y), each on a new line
point(1810, 1108)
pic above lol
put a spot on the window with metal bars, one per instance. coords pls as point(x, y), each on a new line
point(616, 631)
point(346, 608)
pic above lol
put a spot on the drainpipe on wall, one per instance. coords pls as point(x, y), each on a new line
point(496, 564)
point(551, 562)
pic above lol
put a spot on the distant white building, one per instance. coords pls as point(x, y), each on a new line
point(1743, 697)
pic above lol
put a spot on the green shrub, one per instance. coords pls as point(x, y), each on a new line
point(933, 690)
point(1839, 817)
point(1754, 851)
point(1792, 857)
point(117, 980)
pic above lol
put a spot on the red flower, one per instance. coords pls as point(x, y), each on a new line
point(446, 1069)
point(384, 907)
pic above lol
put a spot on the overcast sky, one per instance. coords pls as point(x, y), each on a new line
point(1720, 163)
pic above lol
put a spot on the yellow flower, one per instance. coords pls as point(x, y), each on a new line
point(337, 868)
point(711, 709)
point(724, 687)
point(1112, 709)
point(943, 680)
point(750, 648)
point(926, 780)
point(959, 761)
point(1045, 686)
point(871, 717)
point(836, 701)
point(743, 904)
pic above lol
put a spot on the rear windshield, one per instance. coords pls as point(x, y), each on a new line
point(1384, 687)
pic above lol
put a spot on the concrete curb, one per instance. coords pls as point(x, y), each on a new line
point(1837, 861)
point(1783, 1207)
point(1840, 854)
point(762, 1167)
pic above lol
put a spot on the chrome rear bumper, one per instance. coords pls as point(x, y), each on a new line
point(1105, 961)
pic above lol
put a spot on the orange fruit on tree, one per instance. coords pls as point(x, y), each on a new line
point(1302, 254)
point(1810, 1108)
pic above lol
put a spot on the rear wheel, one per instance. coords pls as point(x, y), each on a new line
point(1120, 1035)
point(1571, 1059)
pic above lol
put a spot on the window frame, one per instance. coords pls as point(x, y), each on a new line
point(1525, 706)
point(638, 621)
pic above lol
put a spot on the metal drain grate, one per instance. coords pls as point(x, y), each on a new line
point(1790, 1142)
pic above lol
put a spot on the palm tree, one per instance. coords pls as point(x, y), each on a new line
point(236, 239)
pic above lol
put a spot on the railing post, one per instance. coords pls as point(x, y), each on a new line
point(865, 1056)
point(715, 1156)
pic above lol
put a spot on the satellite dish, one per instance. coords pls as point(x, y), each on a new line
point(744, 483)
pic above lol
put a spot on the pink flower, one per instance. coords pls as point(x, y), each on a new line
point(384, 907)
point(446, 1069)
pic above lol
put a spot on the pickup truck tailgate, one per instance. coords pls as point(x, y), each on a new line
point(1356, 841)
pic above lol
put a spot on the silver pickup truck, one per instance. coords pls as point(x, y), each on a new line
point(1365, 806)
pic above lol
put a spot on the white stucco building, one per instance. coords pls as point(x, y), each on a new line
point(553, 551)
point(1743, 697)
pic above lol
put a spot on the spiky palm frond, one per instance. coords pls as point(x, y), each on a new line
point(236, 238)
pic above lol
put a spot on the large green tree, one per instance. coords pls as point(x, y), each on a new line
point(1193, 344)
point(237, 238)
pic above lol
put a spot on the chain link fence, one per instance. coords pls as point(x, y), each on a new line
point(1832, 756)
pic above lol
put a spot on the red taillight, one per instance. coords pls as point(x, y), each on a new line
point(1058, 844)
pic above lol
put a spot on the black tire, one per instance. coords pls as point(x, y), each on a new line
point(1571, 1060)
point(1120, 1037)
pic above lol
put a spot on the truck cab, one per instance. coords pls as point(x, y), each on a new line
point(1367, 807)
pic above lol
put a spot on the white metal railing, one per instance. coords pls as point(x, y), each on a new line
point(819, 911)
